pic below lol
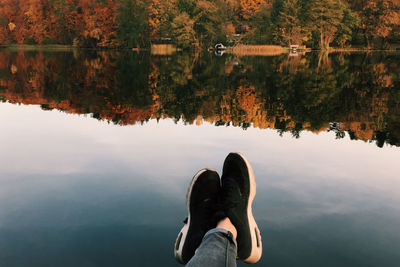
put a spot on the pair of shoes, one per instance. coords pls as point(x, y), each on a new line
point(210, 199)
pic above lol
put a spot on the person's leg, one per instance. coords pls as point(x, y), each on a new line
point(218, 247)
point(237, 235)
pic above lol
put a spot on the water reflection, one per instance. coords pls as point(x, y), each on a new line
point(357, 94)
point(76, 192)
point(79, 192)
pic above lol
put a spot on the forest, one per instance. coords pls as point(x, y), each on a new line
point(318, 24)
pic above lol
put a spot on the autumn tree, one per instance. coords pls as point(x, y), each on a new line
point(33, 21)
point(248, 8)
point(4, 23)
point(154, 17)
point(13, 21)
point(99, 18)
point(378, 17)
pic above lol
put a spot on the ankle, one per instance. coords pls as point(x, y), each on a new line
point(227, 225)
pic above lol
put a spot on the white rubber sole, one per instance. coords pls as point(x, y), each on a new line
point(256, 244)
point(180, 240)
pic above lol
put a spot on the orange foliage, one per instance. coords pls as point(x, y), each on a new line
point(154, 17)
point(35, 20)
point(100, 22)
point(249, 8)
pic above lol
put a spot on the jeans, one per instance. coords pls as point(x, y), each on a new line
point(217, 249)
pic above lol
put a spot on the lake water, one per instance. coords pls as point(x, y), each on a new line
point(98, 149)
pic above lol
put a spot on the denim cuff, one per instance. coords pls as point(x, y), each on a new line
point(224, 232)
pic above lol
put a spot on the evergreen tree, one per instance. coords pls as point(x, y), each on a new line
point(208, 24)
point(183, 32)
point(345, 29)
point(133, 27)
point(288, 25)
point(323, 17)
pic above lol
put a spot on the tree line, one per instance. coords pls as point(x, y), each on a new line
point(200, 23)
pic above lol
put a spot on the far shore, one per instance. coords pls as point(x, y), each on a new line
point(39, 47)
point(362, 49)
point(240, 49)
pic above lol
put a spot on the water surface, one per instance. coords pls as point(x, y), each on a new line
point(98, 150)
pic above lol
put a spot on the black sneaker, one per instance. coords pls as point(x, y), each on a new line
point(201, 200)
point(238, 192)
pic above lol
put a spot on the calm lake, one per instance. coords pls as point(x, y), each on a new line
point(98, 149)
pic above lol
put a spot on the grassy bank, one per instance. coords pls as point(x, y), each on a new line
point(362, 49)
point(257, 50)
point(156, 49)
point(39, 47)
point(163, 49)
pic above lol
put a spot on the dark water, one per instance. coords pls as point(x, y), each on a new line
point(98, 149)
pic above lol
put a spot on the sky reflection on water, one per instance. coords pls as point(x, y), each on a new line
point(77, 191)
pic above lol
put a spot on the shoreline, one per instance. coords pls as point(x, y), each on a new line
point(240, 49)
point(356, 49)
point(59, 47)
point(39, 47)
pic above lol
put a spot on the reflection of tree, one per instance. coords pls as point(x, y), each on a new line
point(309, 94)
point(110, 86)
point(353, 93)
